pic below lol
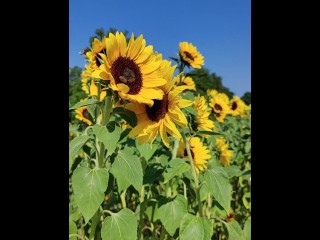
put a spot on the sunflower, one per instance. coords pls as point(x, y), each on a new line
point(163, 116)
point(86, 75)
point(220, 106)
point(202, 121)
point(200, 153)
point(221, 143)
point(93, 56)
point(187, 82)
point(133, 69)
point(237, 106)
point(212, 93)
point(226, 157)
point(83, 114)
point(190, 55)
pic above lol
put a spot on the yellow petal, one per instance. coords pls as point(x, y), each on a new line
point(123, 88)
point(151, 93)
point(164, 136)
point(154, 82)
point(147, 51)
point(182, 103)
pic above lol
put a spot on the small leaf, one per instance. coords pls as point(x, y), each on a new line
point(246, 203)
point(72, 229)
point(88, 187)
point(127, 115)
point(176, 167)
point(247, 147)
point(108, 136)
point(195, 228)
point(219, 186)
point(146, 150)
point(234, 231)
point(247, 229)
point(127, 169)
point(171, 213)
point(191, 110)
point(152, 173)
point(174, 59)
point(122, 225)
point(233, 171)
point(76, 144)
point(84, 103)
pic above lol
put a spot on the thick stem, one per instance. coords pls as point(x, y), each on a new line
point(194, 174)
point(175, 148)
point(123, 199)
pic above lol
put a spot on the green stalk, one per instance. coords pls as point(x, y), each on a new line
point(123, 199)
point(94, 224)
point(194, 174)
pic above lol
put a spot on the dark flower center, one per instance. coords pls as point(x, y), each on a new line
point(125, 70)
point(234, 106)
point(218, 107)
point(188, 55)
point(159, 109)
point(85, 113)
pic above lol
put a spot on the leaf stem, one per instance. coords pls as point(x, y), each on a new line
point(123, 199)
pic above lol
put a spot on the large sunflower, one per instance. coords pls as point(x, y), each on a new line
point(163, 116)
point(202, 121)
point(237, 106)
point(220, 106)
point(199, 152)
point(133, 69)
point(190, 55)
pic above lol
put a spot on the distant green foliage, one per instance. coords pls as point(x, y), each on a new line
point(75, 91)
point(246, 98)
point(204, 80)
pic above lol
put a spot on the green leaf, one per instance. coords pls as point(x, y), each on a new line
point(152, 173)
point(171, 213)
point(73, 128)
point(176, 167)
point(127, 169)
point(191, 110)
point(108, 136)
point(84, 103)
point(195, 228)
point(247, 147)
point(120, 226)
point(89, 186)
point(127, 115)
point(246, 202)
point(76, 144)
point(72, 229)
point(234, 231)
point(219, 186)
point(146, 150)
point(233, 171)
point(247, 229)
point(124, 134)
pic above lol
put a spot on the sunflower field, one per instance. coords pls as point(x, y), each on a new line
point(151, 158)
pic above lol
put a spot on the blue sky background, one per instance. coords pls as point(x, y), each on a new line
point(220, 29)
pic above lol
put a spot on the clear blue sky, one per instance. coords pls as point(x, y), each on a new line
point(220, 29)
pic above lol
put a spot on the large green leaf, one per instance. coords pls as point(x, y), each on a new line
point(89, 186)
point(247, 229)
point(176, 167)
point(127, 115)
point(120, 226)
point(195, 228)
point(233, 171)
point(147, 150)
point(219, 186)
point(127, 169)
point(108, 136)
point(76, 144)
point(234, 231)
point(171, 213)
point(84, 103)
point(72, 230)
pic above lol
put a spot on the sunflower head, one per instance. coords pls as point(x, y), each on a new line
point(226, 157)
point(133, 69)
point(163, 116)
point(202, 121)
point(237, 106)
point(93, 55)
point(200, 153)
point(220, 106)
point(190, 55)
point(83, 115)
